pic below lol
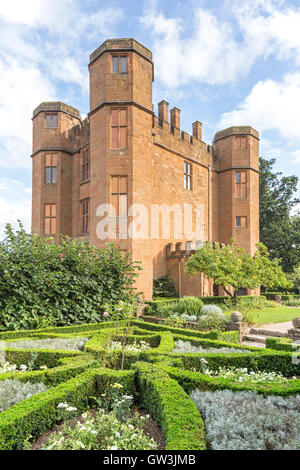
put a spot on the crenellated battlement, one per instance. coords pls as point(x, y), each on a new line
point(55, 106)
point(179, 252)
point(167, 133)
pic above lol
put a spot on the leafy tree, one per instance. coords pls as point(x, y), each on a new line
point(279, 231)
point(231, 265)
point(60, 284)
point(294, 277)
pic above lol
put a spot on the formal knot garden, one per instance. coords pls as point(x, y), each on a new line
point(98, 386)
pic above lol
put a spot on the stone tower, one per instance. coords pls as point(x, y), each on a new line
point(236, 152)
point(52, 165)
point(121, 75)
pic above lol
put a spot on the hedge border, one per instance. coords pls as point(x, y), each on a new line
point(191, 380)
point(161, 380)
point(171, 407)
point(38, 413)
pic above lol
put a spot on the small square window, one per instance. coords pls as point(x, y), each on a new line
point(241, 221)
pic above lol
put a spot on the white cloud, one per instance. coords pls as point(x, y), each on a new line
point(276, 32)
point(15, 203)
point(271, 105)
point(296, 156)
point(41, 44)
point(217, 51)
point(22, 89)
point(208, 53)
point(11, 211)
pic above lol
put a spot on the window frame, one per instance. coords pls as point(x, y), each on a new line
point(49, 120)
point(241, 218)
point(52, 218)
point(85, 166)
point(119, 193)
point(241, 142)
point(241, 185)
point(119, 128)
point(188, 176)
point(52, 167)
point(85, 216)
point(119, 57)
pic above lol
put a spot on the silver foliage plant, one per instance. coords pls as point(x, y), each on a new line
point(248, 421)
point(71, 344)
point(187, 347)
point(212, 309)
point(13, 391)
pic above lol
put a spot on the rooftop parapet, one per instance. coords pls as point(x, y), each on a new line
point(236, 130)
point(127, 44)
point(53, 106)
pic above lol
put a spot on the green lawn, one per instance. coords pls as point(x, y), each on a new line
point(277, 314)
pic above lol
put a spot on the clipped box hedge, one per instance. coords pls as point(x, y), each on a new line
point(191, 380)
point(159, 378)
point(282, 344)
point(38, 413)
point(171, 407)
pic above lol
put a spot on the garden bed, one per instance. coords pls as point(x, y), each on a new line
point(248, 421)
point(147, 425)
point(159, 379)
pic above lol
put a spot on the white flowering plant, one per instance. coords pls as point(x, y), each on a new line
point(7, 367)
point(243, 375)
point(136, 346)
point(101, 431)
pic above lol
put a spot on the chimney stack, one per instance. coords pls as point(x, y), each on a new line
point(163, 114)
point(175, 121)
point(197, 130)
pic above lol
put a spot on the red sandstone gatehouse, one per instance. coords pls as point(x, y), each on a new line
point(124, 155)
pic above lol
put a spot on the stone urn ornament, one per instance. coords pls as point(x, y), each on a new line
point(236, 317)
point(296, 322)
point(278, 299)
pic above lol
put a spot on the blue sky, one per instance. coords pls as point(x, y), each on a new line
point(223, 63)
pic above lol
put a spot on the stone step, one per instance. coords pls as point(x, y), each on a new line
point(255, 338)
point(265, 332)
point(253, 344)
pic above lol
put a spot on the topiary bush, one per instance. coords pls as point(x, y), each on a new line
point(45, 283)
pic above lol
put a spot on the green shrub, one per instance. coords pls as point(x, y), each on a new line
point(39, 413)
point(284, 296)
point(281, 344)
point(170, 406)
point(292, 302)
point(164, 287)
point(212, 321)
point(66, 283)
point(191, 306)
